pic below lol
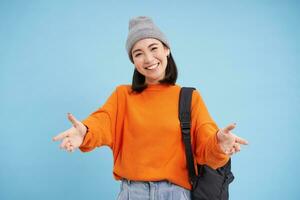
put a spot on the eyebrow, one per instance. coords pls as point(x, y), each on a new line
point(148, 47)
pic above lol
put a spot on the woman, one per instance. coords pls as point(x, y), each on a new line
point(139, 122)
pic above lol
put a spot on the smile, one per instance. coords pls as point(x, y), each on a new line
point(152, 67)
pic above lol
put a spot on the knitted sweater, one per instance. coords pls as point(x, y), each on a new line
point(143, 131)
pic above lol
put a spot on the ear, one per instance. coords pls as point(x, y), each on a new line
point(167, 51)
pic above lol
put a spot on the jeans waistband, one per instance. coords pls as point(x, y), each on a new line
point(146, 184)
point(152, 190)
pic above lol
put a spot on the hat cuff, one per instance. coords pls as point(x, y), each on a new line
point(143, 34)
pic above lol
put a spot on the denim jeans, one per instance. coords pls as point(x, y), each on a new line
point(152, 190)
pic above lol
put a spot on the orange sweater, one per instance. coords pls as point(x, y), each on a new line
point(143, 131)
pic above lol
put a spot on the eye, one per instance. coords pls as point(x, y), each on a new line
point(138, 54)
point(154, 48)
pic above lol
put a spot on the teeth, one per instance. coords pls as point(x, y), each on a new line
point(152, 67)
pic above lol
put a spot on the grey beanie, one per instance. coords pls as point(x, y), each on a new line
point(140, 28)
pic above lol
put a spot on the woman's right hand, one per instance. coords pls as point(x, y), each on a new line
point(72, 138)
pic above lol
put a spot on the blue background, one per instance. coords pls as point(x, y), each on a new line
point(68, 56)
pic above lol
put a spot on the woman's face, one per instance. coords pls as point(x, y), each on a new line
point(150, 59)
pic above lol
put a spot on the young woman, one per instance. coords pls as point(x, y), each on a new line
point(139, 122)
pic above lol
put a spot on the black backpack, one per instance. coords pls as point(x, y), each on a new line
point(209, 184)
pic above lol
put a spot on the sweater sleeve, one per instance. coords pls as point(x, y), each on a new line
point(101, 125)
point(207, 150)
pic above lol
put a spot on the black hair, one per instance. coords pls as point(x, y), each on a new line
point(171, 73)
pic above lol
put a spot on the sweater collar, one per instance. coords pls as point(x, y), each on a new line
point(156, 87)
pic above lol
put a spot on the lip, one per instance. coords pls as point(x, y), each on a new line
point(150, 65)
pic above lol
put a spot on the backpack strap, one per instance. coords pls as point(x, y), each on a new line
point(185, 124)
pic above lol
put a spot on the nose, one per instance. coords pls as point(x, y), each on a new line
point(148, 58)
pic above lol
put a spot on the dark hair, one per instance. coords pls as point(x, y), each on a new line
point(138, 80)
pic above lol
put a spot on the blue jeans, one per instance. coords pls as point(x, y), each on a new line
point(152, 190)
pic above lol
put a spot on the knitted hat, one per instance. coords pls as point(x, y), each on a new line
point(140, 28)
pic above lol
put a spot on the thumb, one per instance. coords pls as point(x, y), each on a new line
point(229, 128)
point(73, 120)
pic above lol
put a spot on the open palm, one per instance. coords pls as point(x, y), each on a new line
point(229, 142)
point(72, 138)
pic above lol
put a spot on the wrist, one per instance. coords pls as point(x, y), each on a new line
point(86, 130)
point(219, 142)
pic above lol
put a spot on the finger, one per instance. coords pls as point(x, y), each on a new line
point(70, 148)
point(69, 144)
point(241, 140)
point(227, 151)
point(230, 152)
point(229, 128)
point(61, 136)
point(237, 147)
point(72, 119)
point(64, 143)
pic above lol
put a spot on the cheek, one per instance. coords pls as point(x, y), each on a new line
point(138, 65)
point(163, 57)
point(164, 60)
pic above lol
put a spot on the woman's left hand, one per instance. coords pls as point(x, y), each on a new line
point(229, 142)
